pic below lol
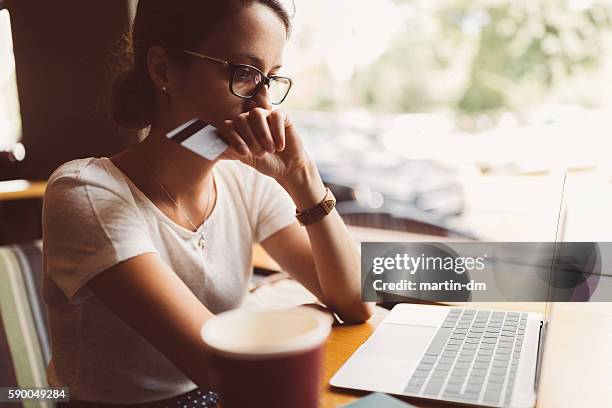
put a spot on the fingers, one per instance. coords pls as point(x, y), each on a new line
point(258, 121)
point(256, 132)
point(276, 122)
point(243, 127)
point(233, 138)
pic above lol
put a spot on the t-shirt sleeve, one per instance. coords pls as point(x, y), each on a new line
point(275, 209)
point(88, 228)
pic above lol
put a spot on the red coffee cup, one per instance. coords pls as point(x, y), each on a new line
point(270, 359)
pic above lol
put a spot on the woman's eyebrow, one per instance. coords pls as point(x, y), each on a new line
point(255, 59)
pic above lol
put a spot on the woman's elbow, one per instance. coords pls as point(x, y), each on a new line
point(359, 312)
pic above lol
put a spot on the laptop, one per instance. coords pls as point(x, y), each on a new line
point(468, 356)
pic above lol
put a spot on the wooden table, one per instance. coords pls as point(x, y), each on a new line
point(577, 365)
point(343, 341)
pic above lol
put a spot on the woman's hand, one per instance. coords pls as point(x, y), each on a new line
point(265, 140)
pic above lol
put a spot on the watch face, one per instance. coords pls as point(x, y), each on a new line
point(328, 205)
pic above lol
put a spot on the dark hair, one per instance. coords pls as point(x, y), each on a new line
point(174, 25)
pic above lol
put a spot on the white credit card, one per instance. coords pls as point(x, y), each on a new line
point(200, 138)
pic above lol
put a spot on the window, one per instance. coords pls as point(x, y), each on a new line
point(10, 115)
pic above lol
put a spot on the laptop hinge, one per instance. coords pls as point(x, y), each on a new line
point(540, 354)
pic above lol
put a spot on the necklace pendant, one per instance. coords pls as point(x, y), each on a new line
point(201, 241)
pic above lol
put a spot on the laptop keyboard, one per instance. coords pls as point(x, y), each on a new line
point(473, 358)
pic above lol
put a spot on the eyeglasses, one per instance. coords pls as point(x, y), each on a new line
point(246, 81)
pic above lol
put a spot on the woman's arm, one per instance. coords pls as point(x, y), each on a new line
point(329, 265)
point(323, 257)
point(146, 294)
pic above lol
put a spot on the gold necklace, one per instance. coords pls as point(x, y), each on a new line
point(201, 239)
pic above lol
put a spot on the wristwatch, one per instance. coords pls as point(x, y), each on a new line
point(316, 213)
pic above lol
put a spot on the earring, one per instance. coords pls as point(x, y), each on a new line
point(164, 88)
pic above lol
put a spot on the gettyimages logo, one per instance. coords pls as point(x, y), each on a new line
point(485, 271)
point(413, 264)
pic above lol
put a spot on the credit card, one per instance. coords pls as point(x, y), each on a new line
point(200, 138)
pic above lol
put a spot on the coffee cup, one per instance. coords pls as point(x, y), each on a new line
point(267, 358)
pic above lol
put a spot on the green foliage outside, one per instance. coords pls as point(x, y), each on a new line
point(477, 57)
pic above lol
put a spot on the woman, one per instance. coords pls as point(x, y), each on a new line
point(142, 248)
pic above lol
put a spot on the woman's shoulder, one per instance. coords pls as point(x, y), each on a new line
point(81, 174)
point(78, 168)
point(71, 168)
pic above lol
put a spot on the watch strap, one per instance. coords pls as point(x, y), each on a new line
point(316, 213)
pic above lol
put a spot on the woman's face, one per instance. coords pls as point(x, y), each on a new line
point(256, 36)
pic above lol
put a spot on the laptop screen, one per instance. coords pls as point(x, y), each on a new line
point(530, 275)
point(559, 237)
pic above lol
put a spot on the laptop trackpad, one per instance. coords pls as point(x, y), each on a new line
point(399, 341)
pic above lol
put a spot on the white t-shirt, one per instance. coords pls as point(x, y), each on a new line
point(95, 217)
